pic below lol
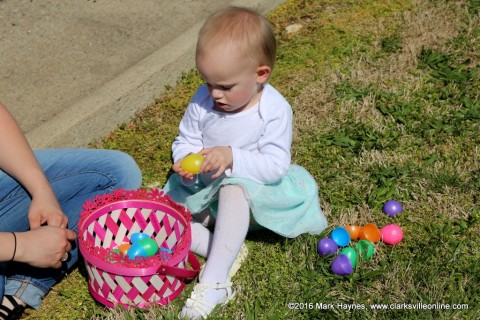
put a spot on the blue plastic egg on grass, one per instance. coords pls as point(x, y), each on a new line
point(341, 236)
point(327, 247)
point(341, 265)
point(392, 208)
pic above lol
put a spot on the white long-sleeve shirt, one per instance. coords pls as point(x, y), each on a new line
point(260, 137)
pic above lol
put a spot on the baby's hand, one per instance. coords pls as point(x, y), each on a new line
point(176, 166)
point(217, 159)
point(178, 169)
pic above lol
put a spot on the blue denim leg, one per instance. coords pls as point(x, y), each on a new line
point(75, 176)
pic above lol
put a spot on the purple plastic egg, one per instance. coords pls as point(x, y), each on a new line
point(341, 265)
point(327, 247)
point(392, 208)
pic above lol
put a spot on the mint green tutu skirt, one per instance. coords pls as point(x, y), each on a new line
point(289, 207)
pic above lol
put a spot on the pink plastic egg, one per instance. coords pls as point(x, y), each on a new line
point(391, 234)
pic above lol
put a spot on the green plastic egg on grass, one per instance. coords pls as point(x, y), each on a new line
point(365, 249)
point(351, 253)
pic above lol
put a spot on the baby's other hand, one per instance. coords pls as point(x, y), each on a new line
point(176, 166)
point(178, 169)
point(217, 159)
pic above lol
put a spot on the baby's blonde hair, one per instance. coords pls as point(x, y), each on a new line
point(245, 29)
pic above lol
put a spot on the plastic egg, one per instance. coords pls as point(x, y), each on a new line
point(143, 248)
point(138, 236)
point(341, 236)
point(391, 234)
point(114, 255)
point(370, 232)
point(354, 231)
point(136, 250)
point(327, 247)
point(351, 253)
point(189, 182)
point(392, 208)
point(124, 248)
point(116, 251)
point(365, 249)
point(341, 265)
point(192, 163)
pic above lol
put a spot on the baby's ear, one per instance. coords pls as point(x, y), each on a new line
point(263, 73)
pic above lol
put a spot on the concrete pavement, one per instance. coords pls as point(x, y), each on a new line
point(71, 71)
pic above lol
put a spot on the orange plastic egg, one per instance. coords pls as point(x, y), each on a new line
point(354, 231)
point(370, 232)
point(124, 248)
point(192, 163)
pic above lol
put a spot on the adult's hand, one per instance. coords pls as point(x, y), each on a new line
point(44, 247)
point(45, 209)
point(18, 160)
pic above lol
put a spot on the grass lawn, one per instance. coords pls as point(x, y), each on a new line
point(386, 100)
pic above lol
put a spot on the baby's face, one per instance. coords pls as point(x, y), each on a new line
point(232, 80)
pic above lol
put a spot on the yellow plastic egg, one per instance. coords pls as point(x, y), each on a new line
point(192, 163)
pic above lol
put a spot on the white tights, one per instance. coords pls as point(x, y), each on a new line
point(221, 247)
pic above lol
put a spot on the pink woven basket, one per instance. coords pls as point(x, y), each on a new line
point(109, 220)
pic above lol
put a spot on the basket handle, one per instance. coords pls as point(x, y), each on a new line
point(183, 272)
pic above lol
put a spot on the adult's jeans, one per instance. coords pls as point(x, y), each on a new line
point(75, 176)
